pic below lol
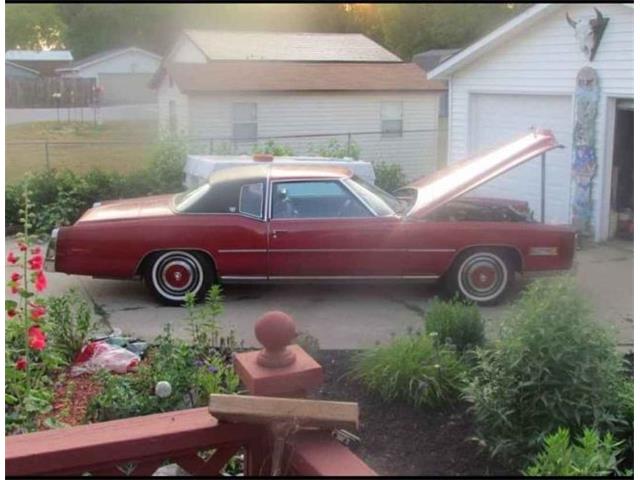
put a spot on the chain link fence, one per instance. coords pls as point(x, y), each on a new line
point(417, 151)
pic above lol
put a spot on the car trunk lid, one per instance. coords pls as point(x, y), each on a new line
point(459, 178)
point(154, 206)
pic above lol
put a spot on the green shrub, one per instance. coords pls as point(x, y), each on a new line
point(70, 324)
point(591, 456)
point(334, 149)
point(389, 176)
point(455, 322)
point(60, 197)
point(624, 432)
point(413, 369)
point(272, 148)
point(553, 366)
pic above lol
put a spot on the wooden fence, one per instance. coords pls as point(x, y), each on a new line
point(39, 92)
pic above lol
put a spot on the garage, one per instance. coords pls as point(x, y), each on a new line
point(497, 119)
point(566, 67)
point(126, 88)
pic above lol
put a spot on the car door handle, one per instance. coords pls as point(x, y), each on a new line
point(275, 233)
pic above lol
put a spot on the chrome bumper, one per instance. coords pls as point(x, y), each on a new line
point(50, 257)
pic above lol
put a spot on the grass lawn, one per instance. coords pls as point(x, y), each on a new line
point(30, 157)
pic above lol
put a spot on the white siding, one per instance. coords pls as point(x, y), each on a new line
point(330, 113)
point(167, 94)
point(545, 60)
point(131, 61)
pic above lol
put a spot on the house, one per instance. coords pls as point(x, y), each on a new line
point(567, 67)
point(302, 90)
point(428, 61)
point(44, 62)
point(123, 74)
point(15, 70)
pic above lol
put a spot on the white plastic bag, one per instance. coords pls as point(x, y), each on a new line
point(103, 356)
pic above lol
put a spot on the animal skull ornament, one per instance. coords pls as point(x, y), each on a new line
point(588, 32)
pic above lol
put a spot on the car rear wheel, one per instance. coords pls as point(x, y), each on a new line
point(171, 275)
point(481, 276)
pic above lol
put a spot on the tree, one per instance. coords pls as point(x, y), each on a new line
point(33, 26)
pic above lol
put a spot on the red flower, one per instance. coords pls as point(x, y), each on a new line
point(12, 312)
point(21, 364)
point(36, 250)
point(14, 287)
point(15, 276)
point(36, 262)
point(11, 258)
point(37, 338)
point(37, 311)
point(41, 281)
point(23, 246)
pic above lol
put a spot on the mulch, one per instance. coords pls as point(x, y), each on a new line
point(71, 399)
point(397, 439)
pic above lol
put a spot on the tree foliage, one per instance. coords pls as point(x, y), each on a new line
point(405, 29)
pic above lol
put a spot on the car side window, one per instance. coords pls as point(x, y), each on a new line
point(315, 199)
point(251, 199)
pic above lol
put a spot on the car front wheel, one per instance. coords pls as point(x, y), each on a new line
point(172, 275)
point(481, 276)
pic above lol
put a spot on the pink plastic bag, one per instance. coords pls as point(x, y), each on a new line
point(103, 356)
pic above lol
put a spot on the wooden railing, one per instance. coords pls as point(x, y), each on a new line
point(194, 439)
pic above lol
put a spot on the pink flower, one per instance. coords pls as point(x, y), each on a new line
point(36, 262)
point(21, 364)
point(37, 338)
point(37, 311)
point(22, 246)
point(36, 250)
point(11, 258)
point(14, 287)
point(15, 276)
point(41, 281)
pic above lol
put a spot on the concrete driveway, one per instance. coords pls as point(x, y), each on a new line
point(345, 316)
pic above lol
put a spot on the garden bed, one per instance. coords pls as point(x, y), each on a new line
point(397, 439)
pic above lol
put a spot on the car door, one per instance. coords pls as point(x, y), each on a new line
point(320, 229)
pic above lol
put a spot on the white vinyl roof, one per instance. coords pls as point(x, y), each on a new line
point(310, 47)
point(44, 56)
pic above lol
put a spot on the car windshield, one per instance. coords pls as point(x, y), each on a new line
point(383, 203)
point(183, 201)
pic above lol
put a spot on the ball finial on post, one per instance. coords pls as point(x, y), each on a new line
point(275, 331)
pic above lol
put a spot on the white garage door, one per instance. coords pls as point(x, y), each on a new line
point(495, 119)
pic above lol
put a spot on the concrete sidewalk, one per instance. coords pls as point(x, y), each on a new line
point(348, 316)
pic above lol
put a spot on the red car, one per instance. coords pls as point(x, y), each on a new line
point(269, 222)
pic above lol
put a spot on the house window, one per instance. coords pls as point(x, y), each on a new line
point(245, 122)
point(173, 118)
point(391, 119)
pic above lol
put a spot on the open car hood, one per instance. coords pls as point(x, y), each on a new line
point(459, 178)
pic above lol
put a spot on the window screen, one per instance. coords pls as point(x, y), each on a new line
point(391, 119)
point(251, 199)
point(245, 122)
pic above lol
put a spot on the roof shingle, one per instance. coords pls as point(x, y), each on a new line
point(299, 76)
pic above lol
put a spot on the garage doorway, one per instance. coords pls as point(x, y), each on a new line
point(621, 217)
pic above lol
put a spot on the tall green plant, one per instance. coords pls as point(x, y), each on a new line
point(553, 366)
point(71, 324)
point(389, 176)
point(411, 368)
point(592, 455)
point(456, 322)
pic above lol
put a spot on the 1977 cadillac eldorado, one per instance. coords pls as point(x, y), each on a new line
point(270, 222)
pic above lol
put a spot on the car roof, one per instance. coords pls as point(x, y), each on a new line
point(279, 172)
